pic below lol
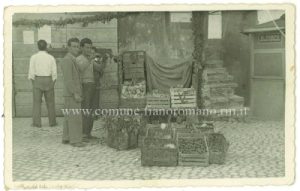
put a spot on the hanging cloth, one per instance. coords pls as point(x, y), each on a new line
point(163, 77)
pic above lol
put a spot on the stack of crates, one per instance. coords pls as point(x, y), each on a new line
point(134, 65)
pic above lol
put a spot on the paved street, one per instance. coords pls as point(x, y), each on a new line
point(256, 150)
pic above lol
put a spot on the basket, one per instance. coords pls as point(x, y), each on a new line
point(183, 98)
point(218, 146)
point(122, 140)
point(122, 134)
point(159, 152)
point(189, 156)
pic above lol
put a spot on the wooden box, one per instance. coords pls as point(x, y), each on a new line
point(154, 102)
point(159, 152)
point(183, 98)
point(190, 154)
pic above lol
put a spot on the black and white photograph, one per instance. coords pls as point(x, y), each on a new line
point(176, 96)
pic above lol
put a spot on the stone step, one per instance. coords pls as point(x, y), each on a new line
point(209, 71)
point(219, 79)
point(237, 99)
point(220, 85)
point(213, 64)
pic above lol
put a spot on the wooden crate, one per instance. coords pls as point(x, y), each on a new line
point(183, 98)
point(134, 75)
point(192, 158)
point(133, 58)
point(157, 152)
point(218, 147)
point(133, 65)
point(154, 131)
point(133, 103)
point(158, 102)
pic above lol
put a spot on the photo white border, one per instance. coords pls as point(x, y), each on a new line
point(289, 99)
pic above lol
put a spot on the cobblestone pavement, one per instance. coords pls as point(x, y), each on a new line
point(256, 150)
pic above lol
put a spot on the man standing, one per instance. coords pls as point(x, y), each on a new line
point(99, 64)
point(72, 132)
point(43, 74)
point(85, 66)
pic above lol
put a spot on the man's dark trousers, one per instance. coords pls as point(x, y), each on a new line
point(88, 93)
point(43, 86)
point(72, 130)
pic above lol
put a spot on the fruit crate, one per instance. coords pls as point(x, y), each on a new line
point(132, 103)
point(154, 102)
point(218, 147)
point(159, 152)
point(155, 131)
point(183, 98)
point(192, 150)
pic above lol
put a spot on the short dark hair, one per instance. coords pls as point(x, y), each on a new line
point(85, 41)
point(72, 40)
point(42, 45)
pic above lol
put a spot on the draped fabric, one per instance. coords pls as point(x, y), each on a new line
point(163, 77)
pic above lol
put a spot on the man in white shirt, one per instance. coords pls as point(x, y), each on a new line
point(43, 74)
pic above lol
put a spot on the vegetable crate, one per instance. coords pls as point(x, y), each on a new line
point(218, 146)
point(159, 152)
point(192, 150)
point(183, 98)
point(154, 102)
point(154, 131)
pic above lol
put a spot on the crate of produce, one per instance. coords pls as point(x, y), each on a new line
point(183, 98)
point(192, 150)
point(158, 101)
point(218, 147)
point(159, 152)
point(133, 94)
point(160, 131)
point(122, 131)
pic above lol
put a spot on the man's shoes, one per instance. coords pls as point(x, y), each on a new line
point(65, 142)
point(85, 139)
point(78, 144)
point(92, 137)
point(53, 125)
point(37, 126)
